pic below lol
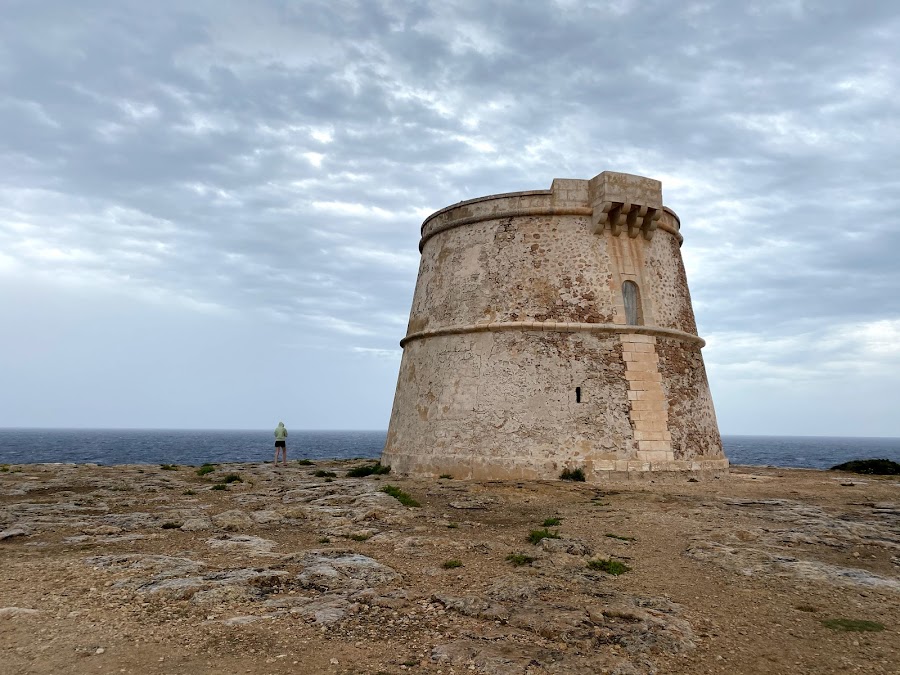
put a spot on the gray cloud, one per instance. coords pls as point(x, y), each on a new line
point(268, 165)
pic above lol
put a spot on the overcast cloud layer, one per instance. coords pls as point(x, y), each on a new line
point(209, 211)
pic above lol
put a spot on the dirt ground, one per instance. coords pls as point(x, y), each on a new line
point(143, 569)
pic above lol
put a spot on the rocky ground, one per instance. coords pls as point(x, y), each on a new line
point(143, 569)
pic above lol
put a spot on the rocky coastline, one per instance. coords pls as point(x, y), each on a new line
point(253, 568)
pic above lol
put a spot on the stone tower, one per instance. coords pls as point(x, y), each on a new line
point(553, 329)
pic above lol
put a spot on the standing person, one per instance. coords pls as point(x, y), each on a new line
point(280, 443)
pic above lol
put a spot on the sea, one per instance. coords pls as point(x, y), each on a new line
point(194, 447)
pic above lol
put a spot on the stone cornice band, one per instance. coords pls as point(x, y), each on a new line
point(585, 211)
point(558, 326)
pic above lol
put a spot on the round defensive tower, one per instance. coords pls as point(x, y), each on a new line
point(553, 329)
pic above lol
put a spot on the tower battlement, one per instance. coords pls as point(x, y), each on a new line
point(553, 329)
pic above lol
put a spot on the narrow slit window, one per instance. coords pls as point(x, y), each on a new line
point(577, 394)
point(632, 297)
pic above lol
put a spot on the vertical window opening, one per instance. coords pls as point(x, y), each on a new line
point(632, 298)
point(577, 394)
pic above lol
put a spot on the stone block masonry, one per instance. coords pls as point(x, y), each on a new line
point(553, 329)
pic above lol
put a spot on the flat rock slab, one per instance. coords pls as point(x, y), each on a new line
point(344, 571)
point(247, 542)
point(13, 532)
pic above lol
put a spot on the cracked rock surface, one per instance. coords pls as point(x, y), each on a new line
point(144, 570)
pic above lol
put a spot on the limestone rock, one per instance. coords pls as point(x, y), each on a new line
point(266, 517)
point(13, 532)
point(256, 545)
point(232, 520)
point(18, 612)
point(197, 525)
point(570, 546)
point(348, 571)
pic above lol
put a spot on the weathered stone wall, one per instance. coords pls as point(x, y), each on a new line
point(518, 360)
point(692, 419)
point(496, 404)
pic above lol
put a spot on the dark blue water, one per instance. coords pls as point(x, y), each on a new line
point(157, 446)
point(161, 446)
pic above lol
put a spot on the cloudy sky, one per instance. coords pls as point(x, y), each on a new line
point(209, 211)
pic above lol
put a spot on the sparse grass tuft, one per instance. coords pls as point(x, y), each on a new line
point(451, 564)
point(519, 559)
point(329, 480)
point(188, 492)
point(219, 486)
point(613, 567)
point(205, 469)
point(535, 536)
point(853, 625)
point(305, 462)
point(551, 522)
point(453, 526)
point(4, 467)
point(171, 526)
point(806, 608)
point(573, 474)
point(368, 470)
point(232, 478)
point(321, 473)
point(401, 496)
point(619, 537)
point(324, 540)
point(169, 467)
point(359, 537)
point(446, 476)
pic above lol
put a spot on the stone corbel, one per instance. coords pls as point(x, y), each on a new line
point(643, 220)
point(619, 216)
point(600, 216)
point(625, 202)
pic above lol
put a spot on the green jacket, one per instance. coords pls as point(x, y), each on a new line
point(280, 432)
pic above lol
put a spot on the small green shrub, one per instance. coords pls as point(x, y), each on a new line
point(329, 480)
point(451, 564)
point(305, 462)
point(453, 526)
point(806, 608)
point(875, 467)
point(359, 537)
point(368, 470)
point(324, 540)
point(619, 537)
point(205, 469)
point(613, 567)
point(325, 474)
point(232, 478)
point(4, 467)
point(169, 467)
point(400, 495)
point(171, 526)
point(853, 625)
point(446, 476)
point(219, 486)
point(573, 474)
point(535, 536)
point(551, 522)
point(519, 559)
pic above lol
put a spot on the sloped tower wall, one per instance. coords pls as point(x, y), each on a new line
point(553, 329)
